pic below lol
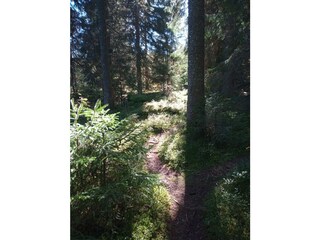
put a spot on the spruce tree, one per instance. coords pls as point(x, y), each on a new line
point(196, 99)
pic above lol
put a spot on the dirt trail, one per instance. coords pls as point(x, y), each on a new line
point(188, 193)
point(173, 181)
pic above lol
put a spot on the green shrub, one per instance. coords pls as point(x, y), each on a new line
point(109, 186)
point(229, 208)
point(152, 223)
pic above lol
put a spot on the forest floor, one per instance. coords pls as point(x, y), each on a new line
point(188, 192)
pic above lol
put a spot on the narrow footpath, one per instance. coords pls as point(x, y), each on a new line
point(173, 180)
point(187, 193)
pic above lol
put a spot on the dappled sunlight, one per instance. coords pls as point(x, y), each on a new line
point(175, 103)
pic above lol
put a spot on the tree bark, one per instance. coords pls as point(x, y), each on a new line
point(196, 99)
point(104, 40)
point(146, 67)
point(138, 48)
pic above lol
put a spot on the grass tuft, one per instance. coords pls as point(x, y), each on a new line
point(152, 223)
point(174, 104)
point(172, 151)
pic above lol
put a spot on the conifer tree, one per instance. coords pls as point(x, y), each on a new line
point(104, 39)
point(196, 99)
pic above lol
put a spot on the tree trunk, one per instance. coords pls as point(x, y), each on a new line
point(196, 99)
point(138, 48)
point(146, 67)
point(102, 12)
point(73, 79)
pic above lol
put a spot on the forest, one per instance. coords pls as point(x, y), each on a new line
point(160, 119)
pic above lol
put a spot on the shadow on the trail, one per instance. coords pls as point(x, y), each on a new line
point(190, 221)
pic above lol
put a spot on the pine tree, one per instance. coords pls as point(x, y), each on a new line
point(196, 99)
point(138, 46)
point(104, 39)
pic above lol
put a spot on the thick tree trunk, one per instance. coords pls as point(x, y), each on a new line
point(138, 48)
point(104, 53)
point(196, 99)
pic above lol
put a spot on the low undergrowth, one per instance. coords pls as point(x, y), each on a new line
point(168, 116)
point(152, 223)
point(228, 128)
point(229, 208)
point(175, 103)
point(172, 151)
point(162, 122)
point(135, 104)
point(112, 196)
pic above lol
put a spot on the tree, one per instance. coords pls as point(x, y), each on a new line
point(162, 43)
point(138, 33)
point(196, 99)
point(227, 45)
point(84, 51)
point(104, 40)
point(137, 46)
point(146, 62)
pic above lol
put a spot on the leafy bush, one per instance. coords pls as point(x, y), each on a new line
point(229, 208)
point(109, 187)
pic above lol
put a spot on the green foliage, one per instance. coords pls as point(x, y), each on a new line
point(152, 223)
point(227, 38)
point(135, 104)
point(157, 42)
point(158, 123)
point(145, 97)
point(179, 69)
point(163, 122)
point(229, 208)
point(168, 116)
point(109, 186)
point(172, 151)
point(174, 104)
point(91, 91)
point(228, 127)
